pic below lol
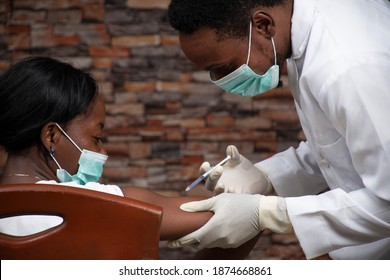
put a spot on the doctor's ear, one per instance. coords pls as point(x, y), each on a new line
point(264, 24)
point(50, 135)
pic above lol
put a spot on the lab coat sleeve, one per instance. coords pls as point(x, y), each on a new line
point(335, 219)
point(357, 102)
point(294, 172)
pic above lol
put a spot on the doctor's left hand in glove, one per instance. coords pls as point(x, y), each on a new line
point(237, 218)
point(238, 175)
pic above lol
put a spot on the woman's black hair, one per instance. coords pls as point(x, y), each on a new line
point(228, 18)
point(39, 90)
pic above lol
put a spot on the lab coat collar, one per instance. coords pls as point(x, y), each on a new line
point(304, 14)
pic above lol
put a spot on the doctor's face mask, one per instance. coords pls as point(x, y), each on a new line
point(244, 81)
point(90, 165)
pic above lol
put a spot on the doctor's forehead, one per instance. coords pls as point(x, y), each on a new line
point(205, 50)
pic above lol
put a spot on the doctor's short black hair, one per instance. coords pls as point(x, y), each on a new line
point(229, 18)
point(39, 90)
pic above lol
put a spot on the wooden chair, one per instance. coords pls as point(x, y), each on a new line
point(96, 225)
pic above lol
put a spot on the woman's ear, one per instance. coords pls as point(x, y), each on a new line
point(264, 24)
point(50, 135)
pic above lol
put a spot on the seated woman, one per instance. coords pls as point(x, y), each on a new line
point(51, 125)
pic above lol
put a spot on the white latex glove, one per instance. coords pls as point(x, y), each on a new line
point(235, 221)
point(237, 218)
point(238, 175)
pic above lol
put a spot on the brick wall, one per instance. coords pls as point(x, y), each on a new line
point(164, 117)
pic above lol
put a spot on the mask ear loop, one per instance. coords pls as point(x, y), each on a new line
point(67, 136)
point(250, 42)
point(52, 156)
point(273, 46)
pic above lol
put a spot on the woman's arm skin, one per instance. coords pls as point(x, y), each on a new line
point(175, 222)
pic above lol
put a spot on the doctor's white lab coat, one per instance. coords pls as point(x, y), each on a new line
point(339, 74)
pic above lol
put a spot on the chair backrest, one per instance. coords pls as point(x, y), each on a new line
point(96, 225)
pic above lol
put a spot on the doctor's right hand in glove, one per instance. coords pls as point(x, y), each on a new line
point(237, 218)
point(238, 175)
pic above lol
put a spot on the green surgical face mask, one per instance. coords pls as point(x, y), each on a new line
point(90, 166)
point(244, 81)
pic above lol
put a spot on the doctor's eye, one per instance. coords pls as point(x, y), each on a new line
point(223, 71)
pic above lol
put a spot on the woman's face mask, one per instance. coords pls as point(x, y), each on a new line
point(244, 81)
point(90, 165)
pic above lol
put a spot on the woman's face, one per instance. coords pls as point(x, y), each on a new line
point(86, 131)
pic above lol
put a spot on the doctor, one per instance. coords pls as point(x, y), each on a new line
point(333, 191)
